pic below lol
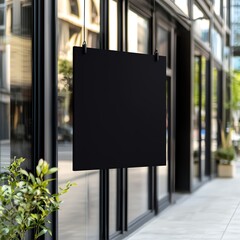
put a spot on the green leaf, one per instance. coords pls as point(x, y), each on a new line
point(32, 178)
point(40, 162)
point(41, 233)
point(35, 216)
point(4, 231)
point(52, 170)
point(21, 184)
point(18, 219)
point(24, 172)
point(45, 167)
point(39, 182)
point(38, 169)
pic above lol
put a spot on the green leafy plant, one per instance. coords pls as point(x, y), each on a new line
point(25, 200)
point(226, 153)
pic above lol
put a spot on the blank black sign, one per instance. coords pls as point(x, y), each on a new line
point(119, 110)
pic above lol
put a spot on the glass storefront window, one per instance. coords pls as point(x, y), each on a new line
point(226, 12)
point(183, 5)
point(15, 82)
point(113, 25)
point(2, 12)
point(196, 123)
point(227, 55)
point(200, 24)
point(164, 44)
point(138, 33)
point(199, 117)
point(217, 45)
point(236, 63)
point(162, 171)
point(74, 7)
point(79, 214)
point(203, 114)
point(113, 45)
point(138, 41)
point(214, 116)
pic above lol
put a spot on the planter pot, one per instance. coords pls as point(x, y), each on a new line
point(227, 170)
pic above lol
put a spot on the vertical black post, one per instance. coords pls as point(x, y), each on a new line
point(38, 86)
point(153, 198)
point(38, 83)
point(208, 120)
point(45, 90)
point(104, 174)
point(125, 5)
point(122, 182)
point(125, 171)
point(51, 101)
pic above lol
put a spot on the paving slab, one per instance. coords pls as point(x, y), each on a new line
point(211, 213)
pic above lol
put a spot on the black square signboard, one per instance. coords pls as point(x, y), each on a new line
point(119, 109)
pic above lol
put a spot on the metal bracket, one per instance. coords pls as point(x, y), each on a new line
point(156, 55)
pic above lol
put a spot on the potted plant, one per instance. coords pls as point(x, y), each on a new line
point(225, 156)
point(26, 201)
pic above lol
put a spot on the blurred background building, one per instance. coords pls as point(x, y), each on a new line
point(36, 99)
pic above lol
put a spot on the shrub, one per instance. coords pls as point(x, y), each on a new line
point(25, 200)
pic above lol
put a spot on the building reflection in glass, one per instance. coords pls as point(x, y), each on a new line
point(138, 42)
point(164, 49)
point(218, 44)
point(15, 79)
point(201, 24)
point(79, 215)
point(214, 116)
point(183, 5)
point(196, 122)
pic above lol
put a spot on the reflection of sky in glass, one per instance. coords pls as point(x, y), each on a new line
point(225, 12)
point(236, 63)
point(217, 7)
point(183, 5)
point(235, 22)
point(201, 26)
point(217, 45)
point(226, 57)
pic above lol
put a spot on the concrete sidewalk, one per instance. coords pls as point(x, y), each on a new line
point(212, 212)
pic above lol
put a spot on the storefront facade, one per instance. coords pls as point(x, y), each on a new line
point(36, 101)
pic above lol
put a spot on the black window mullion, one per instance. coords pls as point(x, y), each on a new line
point(208, 118)
point(104, 173)
point(104, 205)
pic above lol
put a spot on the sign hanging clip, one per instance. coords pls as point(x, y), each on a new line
point(156, 55)
point(84, 45)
